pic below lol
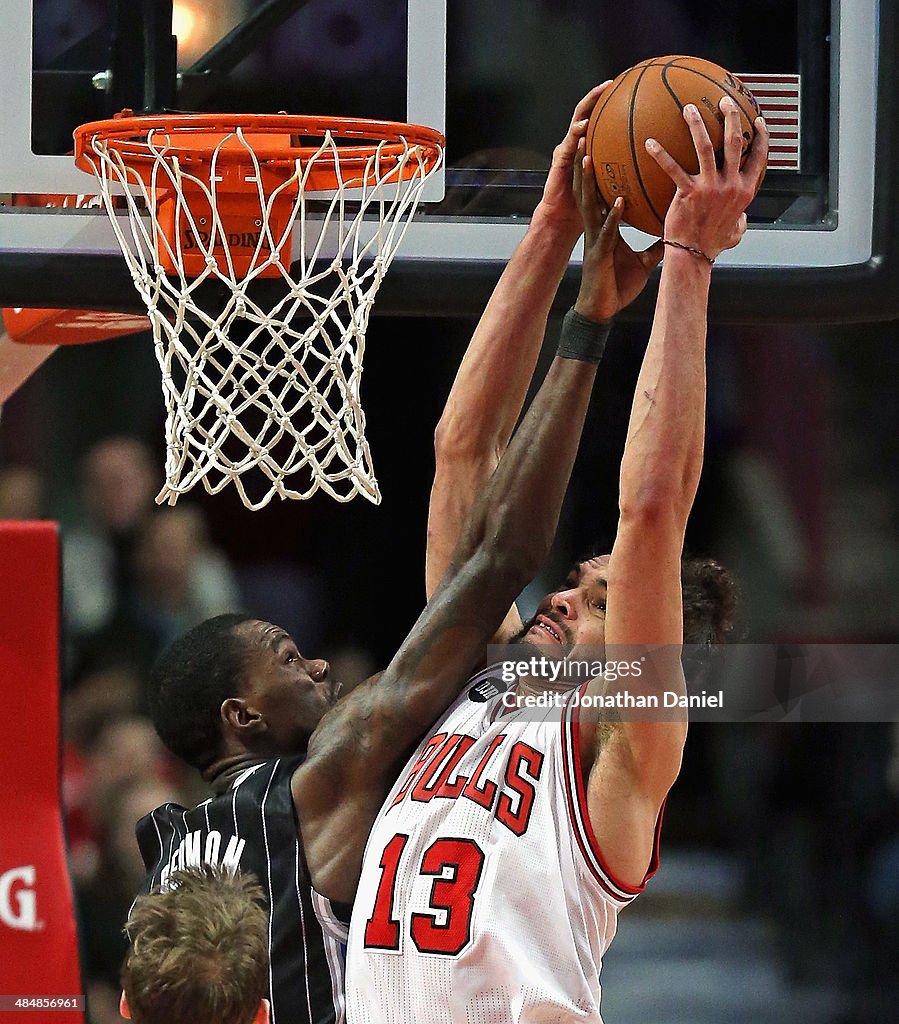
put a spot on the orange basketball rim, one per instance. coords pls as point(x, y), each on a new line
point(225, 187)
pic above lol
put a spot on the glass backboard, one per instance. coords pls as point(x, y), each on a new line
point(500, 81)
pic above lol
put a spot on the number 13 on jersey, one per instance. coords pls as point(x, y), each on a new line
point(456, 866)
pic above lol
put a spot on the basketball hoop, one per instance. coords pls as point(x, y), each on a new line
point(230, 199)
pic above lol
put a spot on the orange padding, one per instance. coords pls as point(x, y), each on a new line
point(66, 326)
point(37, 926)
point(69, 326)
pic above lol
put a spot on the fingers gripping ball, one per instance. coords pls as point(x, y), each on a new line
point(647, 101)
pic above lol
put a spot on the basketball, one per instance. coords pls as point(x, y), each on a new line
point(647, 101)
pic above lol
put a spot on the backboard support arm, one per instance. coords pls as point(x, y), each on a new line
point(143, 58)
point(240, 42)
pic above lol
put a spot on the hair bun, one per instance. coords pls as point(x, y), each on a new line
point(710, 601)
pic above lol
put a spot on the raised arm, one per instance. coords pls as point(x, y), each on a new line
point(359, 747)
point(634, 766)
point(490, 386)
point(489, 390)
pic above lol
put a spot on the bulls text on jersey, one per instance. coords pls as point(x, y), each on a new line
point(504, 780)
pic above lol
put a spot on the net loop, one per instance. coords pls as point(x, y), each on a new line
point(261, 394)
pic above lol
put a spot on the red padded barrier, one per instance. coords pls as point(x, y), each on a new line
point(38, 946)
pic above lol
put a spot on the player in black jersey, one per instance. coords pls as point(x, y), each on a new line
point(300, 778)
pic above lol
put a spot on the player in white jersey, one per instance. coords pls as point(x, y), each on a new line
point(494, 873)
point(483, 896)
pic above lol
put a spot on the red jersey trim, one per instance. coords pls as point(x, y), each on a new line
point(576, 798)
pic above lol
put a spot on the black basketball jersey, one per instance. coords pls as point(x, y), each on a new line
point(253, 827)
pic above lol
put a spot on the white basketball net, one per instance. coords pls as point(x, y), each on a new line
point(273, 391)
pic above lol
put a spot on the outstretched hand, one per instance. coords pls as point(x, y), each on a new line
point(708, 209)
point(613, 274)
point(558, 198)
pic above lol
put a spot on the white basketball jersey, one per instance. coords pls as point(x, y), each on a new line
point(484, 898)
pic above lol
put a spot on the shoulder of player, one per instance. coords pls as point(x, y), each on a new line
point(346, 729)
point(347, 740)
point(163, 813)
